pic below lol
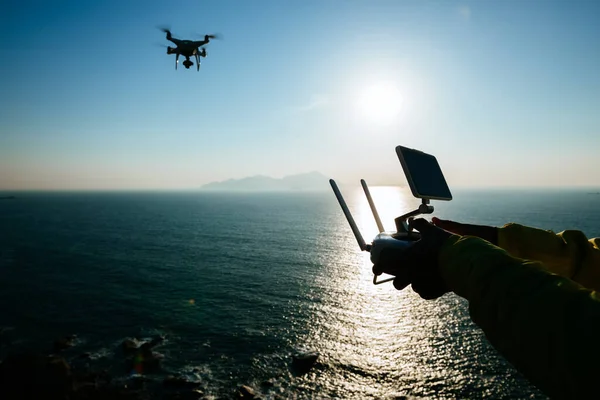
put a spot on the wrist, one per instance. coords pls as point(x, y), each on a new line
point(453, 260)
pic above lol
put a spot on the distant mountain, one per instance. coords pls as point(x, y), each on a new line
point(310, 181)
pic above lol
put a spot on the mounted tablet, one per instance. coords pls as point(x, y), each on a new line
point(423, 174)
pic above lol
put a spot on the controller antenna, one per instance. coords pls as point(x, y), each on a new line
point(372, 205)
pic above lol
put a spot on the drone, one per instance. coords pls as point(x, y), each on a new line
point(187, 48)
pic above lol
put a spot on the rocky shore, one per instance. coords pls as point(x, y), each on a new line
point(51, 375)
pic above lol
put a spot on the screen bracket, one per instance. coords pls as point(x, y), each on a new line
point(401, 221)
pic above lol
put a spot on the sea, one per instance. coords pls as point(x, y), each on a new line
point(239, 283)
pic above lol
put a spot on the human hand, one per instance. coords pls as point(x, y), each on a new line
point(418, 264)
point(489, 233)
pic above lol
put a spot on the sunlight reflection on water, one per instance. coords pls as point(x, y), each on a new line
point(375, 341)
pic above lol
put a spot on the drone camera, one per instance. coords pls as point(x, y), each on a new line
point(426, 182)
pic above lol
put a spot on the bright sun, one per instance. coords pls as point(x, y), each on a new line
point(380, 103)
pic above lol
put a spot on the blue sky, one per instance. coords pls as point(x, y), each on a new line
point(504, 93)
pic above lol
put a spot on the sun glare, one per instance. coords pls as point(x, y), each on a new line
point(380, 103)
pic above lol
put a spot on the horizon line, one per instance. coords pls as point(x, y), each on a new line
point(7, 191)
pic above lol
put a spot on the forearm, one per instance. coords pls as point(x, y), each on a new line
point(544, 324)
point(569, 253)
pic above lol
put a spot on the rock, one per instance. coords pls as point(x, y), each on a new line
point(302, 363)
point(143, 364)
point(57, 368)
point(269, 383)
point(140, 359)
point(101, 377)
point(57, 377)
point(191, 395)
point(138, 382)
point(120, 394)
point(177, 382)
point(64, 343)
point(129, 346)
point(29, 375)
point(84, 390)
point(246, 392)
point(184, 395)
point(156, 341)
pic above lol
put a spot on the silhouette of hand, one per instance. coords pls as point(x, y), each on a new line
point(489, 233)
point(418, 265)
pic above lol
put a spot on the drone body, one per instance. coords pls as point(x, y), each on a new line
point(188, 48)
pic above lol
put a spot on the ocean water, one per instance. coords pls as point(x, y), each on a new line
point(237, 283)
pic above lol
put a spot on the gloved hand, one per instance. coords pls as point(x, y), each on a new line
point(417, 265)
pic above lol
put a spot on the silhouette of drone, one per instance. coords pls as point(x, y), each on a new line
point(188, 48)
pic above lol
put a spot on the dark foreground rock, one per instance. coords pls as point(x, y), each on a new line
point(28, 375)
point(64, 343)
point(246, 393)
point(25, 375)
point(64, 372)
point(302, 363)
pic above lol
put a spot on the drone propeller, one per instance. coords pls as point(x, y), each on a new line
point(167, 30)
point(217, 36)
point(164, 28)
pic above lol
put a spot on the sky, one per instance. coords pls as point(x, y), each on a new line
point(503, 93)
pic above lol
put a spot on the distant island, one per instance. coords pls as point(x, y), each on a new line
point(311, 181)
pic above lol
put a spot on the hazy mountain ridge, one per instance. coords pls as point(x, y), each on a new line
point(308, 181)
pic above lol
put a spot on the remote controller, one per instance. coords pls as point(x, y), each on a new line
point(384, 240)
point(426, 182)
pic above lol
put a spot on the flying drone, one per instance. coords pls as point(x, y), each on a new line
point(187, 48)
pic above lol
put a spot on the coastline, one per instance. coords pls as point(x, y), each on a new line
point(64, 372)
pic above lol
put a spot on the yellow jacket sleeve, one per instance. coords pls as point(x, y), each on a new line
point(544, 324)
point(568, 253)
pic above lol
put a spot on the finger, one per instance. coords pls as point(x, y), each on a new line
point(421, 225)
point(389, 259)
point(488, 233)
point(451, 226)
point(400, 283)
point(419, 286)
point(427, 284)
point(390, 269)
point(428, 289)
point(429, 293)
point(377, 270)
